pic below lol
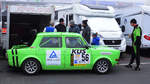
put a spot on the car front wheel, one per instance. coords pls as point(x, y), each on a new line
point(103, 66)
point(31, 66)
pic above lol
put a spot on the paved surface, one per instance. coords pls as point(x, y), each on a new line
point(120, 75)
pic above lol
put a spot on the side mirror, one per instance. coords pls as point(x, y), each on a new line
point(123, 28)
point(87, 47)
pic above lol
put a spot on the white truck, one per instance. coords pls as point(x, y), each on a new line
point(24, 21)
point(142, 15)
point(100, 19)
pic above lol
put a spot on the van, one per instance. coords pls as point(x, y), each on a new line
point(100, 19)
point(142, 15)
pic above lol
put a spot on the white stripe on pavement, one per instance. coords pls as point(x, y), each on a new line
point(144, 63)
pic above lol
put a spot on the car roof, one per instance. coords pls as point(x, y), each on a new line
point(58, 34)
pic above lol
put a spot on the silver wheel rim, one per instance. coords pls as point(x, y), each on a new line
point(31, 67)
point(102, 66)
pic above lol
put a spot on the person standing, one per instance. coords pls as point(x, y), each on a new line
point(73, 27)
point(136, 42)
point(50, 28)
point(61, 27)
point(86, 32)
point(95, 40)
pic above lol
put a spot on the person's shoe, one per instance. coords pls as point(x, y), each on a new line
point(137, 68)
point(128, 66)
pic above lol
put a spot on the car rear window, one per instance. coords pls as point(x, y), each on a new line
point(51, 42)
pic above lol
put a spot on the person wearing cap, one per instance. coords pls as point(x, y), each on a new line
point(86, 32)
point(95, 40)
point(73, 27)
point(61, 27)
point(50, 28)
point(136, 43)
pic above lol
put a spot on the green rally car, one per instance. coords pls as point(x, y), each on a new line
point(62, 51)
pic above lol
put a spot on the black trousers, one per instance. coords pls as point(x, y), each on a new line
point(135, 56)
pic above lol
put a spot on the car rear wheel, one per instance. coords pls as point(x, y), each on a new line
point(31, 66)
point(103, 66)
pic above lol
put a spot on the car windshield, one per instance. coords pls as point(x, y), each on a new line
point(103, 24)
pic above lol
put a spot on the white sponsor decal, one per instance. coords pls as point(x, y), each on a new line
point(53, 57)
point(106, 53)
point(31, 9)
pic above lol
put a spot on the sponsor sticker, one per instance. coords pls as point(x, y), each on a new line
point(79, 57)
point(53, 57)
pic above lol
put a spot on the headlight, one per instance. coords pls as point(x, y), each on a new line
point(122, 35)
point(101, 39)
point(100, 36)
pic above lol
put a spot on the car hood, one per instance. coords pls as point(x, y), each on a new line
point(104, 50)
point(116, 34)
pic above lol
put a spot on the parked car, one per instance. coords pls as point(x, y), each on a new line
point(62, 51)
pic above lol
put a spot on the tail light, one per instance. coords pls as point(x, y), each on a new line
point(4, 30)
point(116, 59)
point(147, 37)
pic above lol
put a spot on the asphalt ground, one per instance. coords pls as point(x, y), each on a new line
point(119, 75)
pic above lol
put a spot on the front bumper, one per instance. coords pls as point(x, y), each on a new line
point(121, 46)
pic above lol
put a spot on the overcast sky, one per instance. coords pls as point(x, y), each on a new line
point(141, 1)
point(78, 0)
point(145, 1)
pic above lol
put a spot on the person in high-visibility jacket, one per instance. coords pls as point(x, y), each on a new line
point(136, 42)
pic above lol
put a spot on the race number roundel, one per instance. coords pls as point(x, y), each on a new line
point(79, 57)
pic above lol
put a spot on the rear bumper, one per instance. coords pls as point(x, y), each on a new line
point(145, 46)
point(115, 62)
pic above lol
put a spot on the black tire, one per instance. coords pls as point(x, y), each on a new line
point(122, 55)
point(31, 66)
point(103, 66)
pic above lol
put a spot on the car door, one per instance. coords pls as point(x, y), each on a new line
point(128, 31)
point(77, 56)
point(50, 51)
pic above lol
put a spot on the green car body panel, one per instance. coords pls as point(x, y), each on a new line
point(66, 60)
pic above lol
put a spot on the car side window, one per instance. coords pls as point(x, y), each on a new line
point(51, 42)
point(74, 42)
